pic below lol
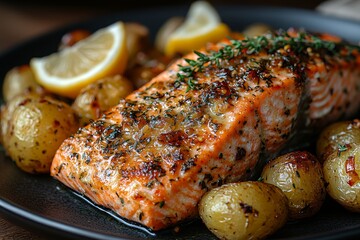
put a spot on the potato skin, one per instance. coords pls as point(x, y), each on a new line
point(336, 135)
point(256, 29)
point(341, 173)
point(8, 109)
point(99, 96)
point(34, 127)
point(147, 65)
point(244, 210)
point(20, 80)
point(299, 175)
point(137, 39)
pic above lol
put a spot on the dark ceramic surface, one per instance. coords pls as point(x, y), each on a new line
point(40, 203)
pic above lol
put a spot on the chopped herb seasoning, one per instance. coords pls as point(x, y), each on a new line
point(341, 148)
point(303, 43)
point(141, 215)
point(188, 164)
point(60, 167)
point(160, 204)
point(240, 153)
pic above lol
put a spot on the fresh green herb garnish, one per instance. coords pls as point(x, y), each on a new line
point(341, 148)
point(254, 45)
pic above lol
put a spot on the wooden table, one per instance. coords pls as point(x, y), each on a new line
point(10, 231)
point(17, 24)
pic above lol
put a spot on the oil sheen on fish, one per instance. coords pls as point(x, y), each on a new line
point(208, 120)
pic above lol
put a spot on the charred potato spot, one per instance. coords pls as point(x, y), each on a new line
point(34, 127)
point(299, 175)
point(244, 210)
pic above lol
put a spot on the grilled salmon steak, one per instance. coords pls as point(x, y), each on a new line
point(209, 119)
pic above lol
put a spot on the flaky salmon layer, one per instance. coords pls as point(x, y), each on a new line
point(151, 158)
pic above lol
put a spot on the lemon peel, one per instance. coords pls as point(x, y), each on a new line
point(100, 55)
point(202, 25)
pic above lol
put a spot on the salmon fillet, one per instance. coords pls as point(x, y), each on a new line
point(152, 157)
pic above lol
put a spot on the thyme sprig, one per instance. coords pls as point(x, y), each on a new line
point(270, 43)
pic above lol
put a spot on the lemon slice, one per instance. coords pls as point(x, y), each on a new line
point(202, 25)
point(102, 54)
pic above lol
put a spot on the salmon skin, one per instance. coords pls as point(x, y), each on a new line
point(208, 120)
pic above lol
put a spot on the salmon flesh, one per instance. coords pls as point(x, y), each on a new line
point(208, 120)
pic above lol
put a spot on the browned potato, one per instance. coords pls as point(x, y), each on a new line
point(341, 173)
point(299, 175)
point(34, 127)
point(165, 31)
point(137, 39)
point(147, 65)
point(336, 136)
point(99, 96)
point(244, 210)
point(8, 110)
point(71, 38)
point(20, 80)
point(256, 29)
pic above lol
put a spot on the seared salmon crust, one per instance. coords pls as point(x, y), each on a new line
point(197, 126)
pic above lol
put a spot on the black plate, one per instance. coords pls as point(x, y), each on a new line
point(43, 204)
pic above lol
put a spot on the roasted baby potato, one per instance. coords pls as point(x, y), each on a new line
point(20, 80)
point(341, 173)
point(8, 110)
point(137, 39)
point(99, 96)
point(71, 38)
point(146, 66)
point(34, 127)
point(166, 30)
point(244, 210)
point(336, 136)
point(299, 175)
point(256, 29)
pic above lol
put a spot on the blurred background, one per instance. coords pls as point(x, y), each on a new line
point(21, 20)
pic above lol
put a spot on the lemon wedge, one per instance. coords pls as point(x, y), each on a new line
point(100, 55)
point(202, 25)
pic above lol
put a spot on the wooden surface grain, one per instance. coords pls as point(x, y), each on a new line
point(9, 231)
